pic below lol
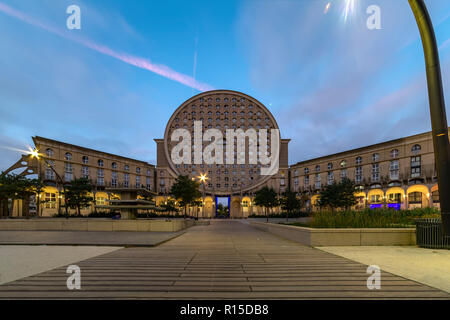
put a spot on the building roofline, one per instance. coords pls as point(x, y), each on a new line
point(342, 153)
point(35, 138)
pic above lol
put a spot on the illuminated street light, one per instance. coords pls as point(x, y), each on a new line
point(203, 177)
point(437, 108)
point(34, 153)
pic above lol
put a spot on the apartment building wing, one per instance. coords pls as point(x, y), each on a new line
point(393, 171)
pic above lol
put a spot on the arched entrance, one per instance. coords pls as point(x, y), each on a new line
point(418, 196)
point(395, 197)
point(222, 207)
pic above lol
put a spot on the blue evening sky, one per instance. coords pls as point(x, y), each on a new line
point(332, 85)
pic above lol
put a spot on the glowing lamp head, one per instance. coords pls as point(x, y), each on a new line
point(202, 177)
point(34, 153)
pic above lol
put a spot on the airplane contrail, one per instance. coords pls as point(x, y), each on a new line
point(139, 62)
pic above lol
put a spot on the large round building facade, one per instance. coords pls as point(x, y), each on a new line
point(232, 183)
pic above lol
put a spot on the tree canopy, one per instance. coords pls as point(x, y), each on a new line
point(267, 198)
point(289, 202)
point(186, 190)
point(77, 194)
point(338, 195)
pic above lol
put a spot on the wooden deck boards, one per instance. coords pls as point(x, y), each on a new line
point(226, 260)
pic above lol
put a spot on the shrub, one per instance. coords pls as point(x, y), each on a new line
point(379, 218)
point(298, 214)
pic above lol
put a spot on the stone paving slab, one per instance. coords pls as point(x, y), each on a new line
point(21, 261)
point(225, 260)
point(86, 238)
point(428, 266)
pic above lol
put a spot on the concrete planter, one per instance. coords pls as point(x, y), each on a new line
point(341, 237)
point(94, 224)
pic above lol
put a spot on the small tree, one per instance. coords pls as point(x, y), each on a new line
point(169, 206)
point(266, 198)
point(38, 186)
point(222, 211)
point(289, 202)
point(15, 187)
point(186, 190)
point(197, 203)
point(77, 194)
point(338, 195)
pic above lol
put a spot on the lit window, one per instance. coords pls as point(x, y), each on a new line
point(50, 200)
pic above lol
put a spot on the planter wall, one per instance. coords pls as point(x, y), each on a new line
point(341, 237)
point(94, 224)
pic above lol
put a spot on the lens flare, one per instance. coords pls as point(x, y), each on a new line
point(349, 8)
point(327, 7)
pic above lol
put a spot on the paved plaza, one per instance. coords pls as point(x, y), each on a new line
point(428, 266)
point(225, 260)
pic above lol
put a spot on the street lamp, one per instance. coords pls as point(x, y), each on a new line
point(34, 153)
point(437, 108)
point(203, 178)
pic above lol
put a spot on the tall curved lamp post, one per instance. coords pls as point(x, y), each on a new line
point(437, 108)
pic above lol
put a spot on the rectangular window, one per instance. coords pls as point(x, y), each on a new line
point(415, 197)
point(395, 197)
point(330, 177)
point(49, 174)
point(318, 181)
point(375, 172)
point(343, 173)
point(358, 174)
point(68, 176)
point(68, 167)
point(416, 161)
point(126, 180)
point(85, 172)
point(138, 181)
point(394, 170)
point(415, 172)
point(114, 179)
point(50, 200)
point(375, 198)
point(100, 201)
point(416, 166)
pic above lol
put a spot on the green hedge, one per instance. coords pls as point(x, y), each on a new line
point(299, 214)
point(377, 218)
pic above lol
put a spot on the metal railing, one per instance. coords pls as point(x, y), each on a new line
point(429, 234)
